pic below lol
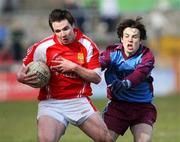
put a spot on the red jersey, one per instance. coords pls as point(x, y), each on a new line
point(65, 86)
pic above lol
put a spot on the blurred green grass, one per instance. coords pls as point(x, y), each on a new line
point(18, 122)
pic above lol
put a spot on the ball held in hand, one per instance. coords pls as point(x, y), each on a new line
point(42, 71)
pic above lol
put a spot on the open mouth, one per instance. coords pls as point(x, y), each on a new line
point(130, 46)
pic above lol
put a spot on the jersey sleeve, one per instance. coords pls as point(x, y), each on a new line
point(37, 52)
point(93, 57)
point(105, 59)
point(29, 55)
point(142, 70)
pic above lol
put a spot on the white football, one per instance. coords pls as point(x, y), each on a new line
point(42, 71)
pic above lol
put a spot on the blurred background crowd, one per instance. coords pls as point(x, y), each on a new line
point(24, 22)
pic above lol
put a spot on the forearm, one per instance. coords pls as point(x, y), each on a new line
point(139, 75)
point(21, 73)
point(87, 74)
point(65, 66)
point(142, 70)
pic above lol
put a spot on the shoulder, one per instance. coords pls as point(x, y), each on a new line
point(114, 47)
point(43, 44)
point(46, 42)
point(147, 54)
point(146, 51)
point(88, 44)
point(38, 50)
point(105, 54)
point(111, 48)
point(83, 39)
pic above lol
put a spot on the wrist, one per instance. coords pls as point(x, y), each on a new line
point(75, 68)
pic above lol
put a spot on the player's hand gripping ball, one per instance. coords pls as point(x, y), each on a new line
point(42, 71)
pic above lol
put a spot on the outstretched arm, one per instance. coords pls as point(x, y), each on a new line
point(142, 70)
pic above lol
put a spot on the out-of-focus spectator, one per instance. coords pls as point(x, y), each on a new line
point(109, 13)
point(17, 36)
point(77, 11)
point(3, 33)
point(5, 56)
point(9, 6)
point(157, 22)
point(1, 5)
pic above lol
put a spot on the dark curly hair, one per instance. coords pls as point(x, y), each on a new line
point(59, 15)
point(132, 24)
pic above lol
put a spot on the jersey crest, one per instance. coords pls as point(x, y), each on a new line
point(80, 57)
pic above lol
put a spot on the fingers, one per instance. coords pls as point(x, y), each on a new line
point(31, 77)
point(24, 69)
point(32, 84)
point(58, 61)
point(117, 90)
point(117, 86)
point(57, 68)
point(63, 65)
point(114, 84)
point(55, 62)
point(55, 65)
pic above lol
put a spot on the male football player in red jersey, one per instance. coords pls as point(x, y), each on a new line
point(73, 59)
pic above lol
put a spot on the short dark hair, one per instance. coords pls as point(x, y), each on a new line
point(59, 15)
point(132, 24)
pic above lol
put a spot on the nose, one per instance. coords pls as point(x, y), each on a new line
point(63, 33)
point(130, 39)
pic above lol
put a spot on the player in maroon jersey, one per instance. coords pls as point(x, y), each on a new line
point(128, 66)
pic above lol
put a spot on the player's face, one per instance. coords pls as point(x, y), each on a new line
point(64, 30)
point(131, 40)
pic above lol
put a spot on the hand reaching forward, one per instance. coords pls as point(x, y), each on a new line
point(119, 86)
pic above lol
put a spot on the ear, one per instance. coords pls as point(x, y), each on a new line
point(121, 39)
point(74, 26)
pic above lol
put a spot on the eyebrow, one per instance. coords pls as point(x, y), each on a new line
point(57, 31)
point(132, 35)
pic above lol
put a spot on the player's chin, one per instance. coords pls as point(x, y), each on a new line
point(65, 42)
